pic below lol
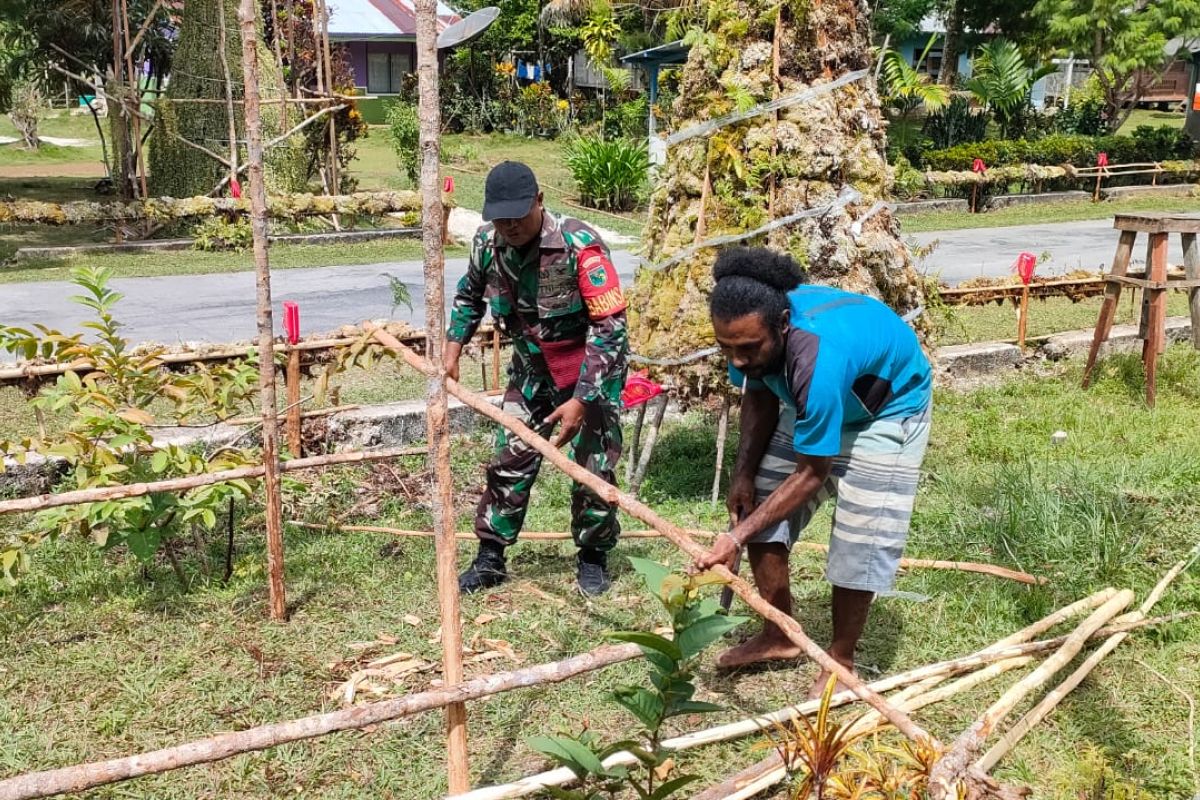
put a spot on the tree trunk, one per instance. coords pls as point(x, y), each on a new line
point(952, 46)
point(824, 144)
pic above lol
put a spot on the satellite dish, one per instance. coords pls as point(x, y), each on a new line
point(468, 29)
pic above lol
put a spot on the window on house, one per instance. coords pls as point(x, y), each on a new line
point(386, 71)
point(933, 61)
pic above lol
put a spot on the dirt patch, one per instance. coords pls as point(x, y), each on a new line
point(81, 169)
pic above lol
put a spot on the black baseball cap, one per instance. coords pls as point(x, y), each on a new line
point(509, 191)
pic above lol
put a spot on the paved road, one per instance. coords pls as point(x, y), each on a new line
point(965, 254)
point(220, 308)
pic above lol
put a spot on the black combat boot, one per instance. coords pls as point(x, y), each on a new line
point(593, 571)
point(486, 571)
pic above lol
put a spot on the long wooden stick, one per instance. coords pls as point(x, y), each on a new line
point(764, 723)
point(555, 536)
point(247, 17)
point(672, 532)
point(225, 745)
point(1053, 698)
point(42, 502)
point(955, 765)
point(437, 414)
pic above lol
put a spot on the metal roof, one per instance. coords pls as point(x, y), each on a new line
point(670, 53)
point(380, 19)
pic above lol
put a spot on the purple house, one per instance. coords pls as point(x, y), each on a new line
point(380, 38)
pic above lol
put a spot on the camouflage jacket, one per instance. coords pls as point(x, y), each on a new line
point(563, 295)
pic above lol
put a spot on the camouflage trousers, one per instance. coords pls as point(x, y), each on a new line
point(510, 476)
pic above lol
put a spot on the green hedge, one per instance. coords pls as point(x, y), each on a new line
point(1146, 144)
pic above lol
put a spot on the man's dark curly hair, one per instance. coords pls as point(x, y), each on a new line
point(752, 280)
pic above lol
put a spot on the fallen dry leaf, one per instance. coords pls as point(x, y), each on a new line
point(413, 619)
point(505, 648)
point(383, 661)
point(484, 619)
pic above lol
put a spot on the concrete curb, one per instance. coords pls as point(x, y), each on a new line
point(1166, 190)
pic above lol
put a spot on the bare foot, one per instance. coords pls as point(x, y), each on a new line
point(818, 687)
point(757, 649)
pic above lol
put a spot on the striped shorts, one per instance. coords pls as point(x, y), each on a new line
point(874, 479)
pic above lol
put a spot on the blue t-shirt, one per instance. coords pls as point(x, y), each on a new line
point(848, 359)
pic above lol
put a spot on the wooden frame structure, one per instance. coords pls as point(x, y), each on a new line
point(958, 762)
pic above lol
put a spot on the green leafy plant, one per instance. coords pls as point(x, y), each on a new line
point(107, 439)
point(610, 173)
point(956, 123)
point(1002, 79)
point(221, 233)
point(404, 132)
point(696, 623)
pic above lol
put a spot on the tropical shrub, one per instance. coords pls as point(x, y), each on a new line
point(108, 441)
point(221, 233)
point(1001, 80)
point(956, 123)
point(404, 132)
point(610, 173)
point(1146, 144)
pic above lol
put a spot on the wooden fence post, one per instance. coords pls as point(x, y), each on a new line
point(437, 418)
point(258, 224)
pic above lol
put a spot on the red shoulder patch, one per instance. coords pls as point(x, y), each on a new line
point(599, 284)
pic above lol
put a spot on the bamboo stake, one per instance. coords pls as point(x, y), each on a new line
point(258, 224)
point(759, 777)
point(954, 765)
point(762, 724)
point(635, 444)
point(225, 745)
point(135, 79)
point(1023, 317)
point(292, 385)
point(320, 412)
point(672, 532)
point(224, 58)
point(42, 502)
point(722, 433)
point(1053, 698)
point(647, 448)
point(556, 536)
point(437, 419)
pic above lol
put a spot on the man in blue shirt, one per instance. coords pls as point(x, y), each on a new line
point(836, 401)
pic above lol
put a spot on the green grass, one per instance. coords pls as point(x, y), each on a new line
point(58, 123)
point(103, 659)
point(1039, 215)
point(990, 323)
point(468, 158)
point(1155, 119)
point(191, 262)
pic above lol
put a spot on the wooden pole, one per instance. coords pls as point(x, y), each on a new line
point(1191, 266)
point(293, 403)
point(1023, 317)
point(561, 536)
point(729, 731)
point(136, 81)
point(225, 745)
point(677, 536)
point(248, 17)
point(1156, 336)
point(223, 53)
point(496, 356)
point(722, 433)
point(276, 37)
point(335, 180)
point(437, 419)
point(635, 443)
point(956, 763)
point(1051, 700)
point(647, 449)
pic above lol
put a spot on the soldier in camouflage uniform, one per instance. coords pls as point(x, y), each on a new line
point(550, 285)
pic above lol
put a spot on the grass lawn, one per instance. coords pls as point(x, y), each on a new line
point(105, 657)
point(1155, 119)
point(468, 158)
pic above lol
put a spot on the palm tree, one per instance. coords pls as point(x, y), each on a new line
point(1002, 79)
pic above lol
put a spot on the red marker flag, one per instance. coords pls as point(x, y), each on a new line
point(1102, 159)
point(291, 321)
point(235, 189)
point(638, 389)
point(978, 166)
point(1026, 264)
point(448, 186)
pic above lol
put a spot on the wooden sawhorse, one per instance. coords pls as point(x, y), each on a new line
point(1154, 286)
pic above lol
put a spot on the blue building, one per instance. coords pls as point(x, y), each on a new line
point(932, 28)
